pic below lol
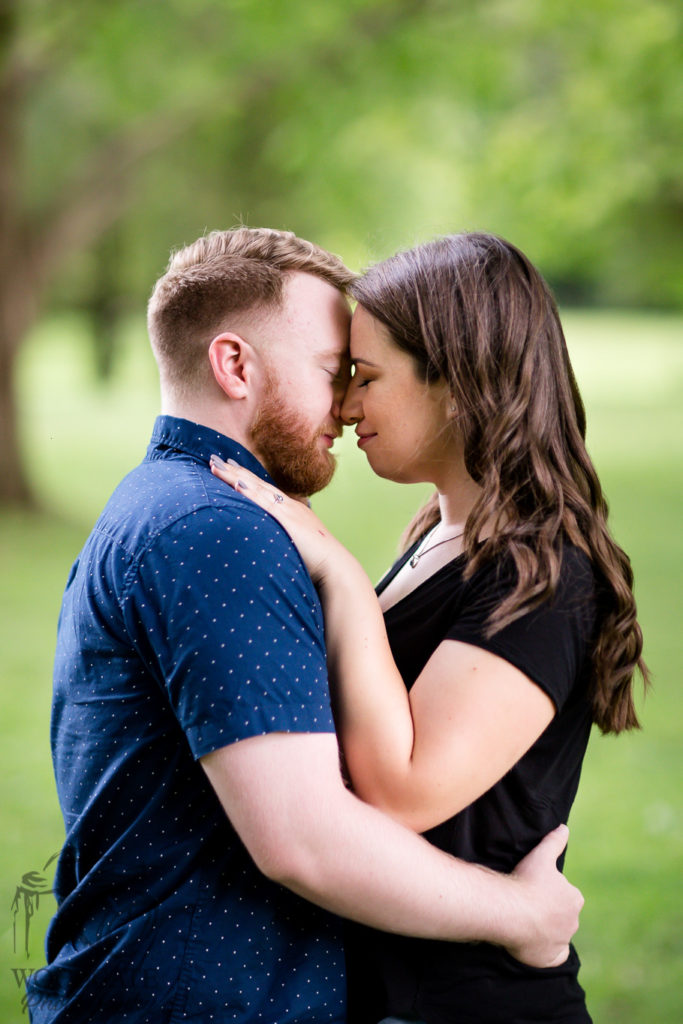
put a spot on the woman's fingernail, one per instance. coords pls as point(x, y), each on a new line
point(216, 460)
point(231, 462)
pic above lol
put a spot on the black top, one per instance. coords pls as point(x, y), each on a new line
point(456, 982)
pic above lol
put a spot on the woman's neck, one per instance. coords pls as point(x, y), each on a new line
point(458, 494)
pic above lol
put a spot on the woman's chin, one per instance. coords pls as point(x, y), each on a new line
point(387, 471)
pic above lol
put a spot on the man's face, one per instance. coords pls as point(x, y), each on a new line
point(306, 371)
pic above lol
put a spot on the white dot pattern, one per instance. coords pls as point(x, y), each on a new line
point(189, 622)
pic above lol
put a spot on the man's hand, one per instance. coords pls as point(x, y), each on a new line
point(555, 904)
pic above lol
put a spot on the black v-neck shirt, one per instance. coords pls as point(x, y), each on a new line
point(441, 982)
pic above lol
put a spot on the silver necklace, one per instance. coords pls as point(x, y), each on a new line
point(415, 558)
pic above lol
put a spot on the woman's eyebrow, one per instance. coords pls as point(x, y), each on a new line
point(365, 362)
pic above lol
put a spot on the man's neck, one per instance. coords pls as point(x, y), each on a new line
point(209, 414)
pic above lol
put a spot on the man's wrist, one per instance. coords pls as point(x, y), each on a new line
point(511, 921)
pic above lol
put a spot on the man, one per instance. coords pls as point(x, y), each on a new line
point(193, 742)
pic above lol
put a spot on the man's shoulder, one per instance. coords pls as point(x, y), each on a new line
point(165, 497)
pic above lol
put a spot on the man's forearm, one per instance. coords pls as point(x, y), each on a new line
point(364, 866)
point(285, 797)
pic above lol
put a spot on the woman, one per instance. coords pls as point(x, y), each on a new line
point(509, 620)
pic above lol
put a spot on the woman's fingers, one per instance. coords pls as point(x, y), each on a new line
point(315, 543)
point(245, 481)
point(227, 471)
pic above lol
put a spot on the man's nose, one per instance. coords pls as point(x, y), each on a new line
point(338, 394)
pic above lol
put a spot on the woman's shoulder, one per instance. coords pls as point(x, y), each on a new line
point(574, 560)
point(577, 574)
point(576, 578)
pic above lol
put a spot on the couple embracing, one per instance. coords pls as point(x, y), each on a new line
point(218, 648)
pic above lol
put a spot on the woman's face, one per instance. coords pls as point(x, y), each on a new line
point(404, 425)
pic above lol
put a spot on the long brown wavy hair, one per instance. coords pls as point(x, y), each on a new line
point(471, 309)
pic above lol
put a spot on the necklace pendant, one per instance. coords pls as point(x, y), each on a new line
point(422, 550)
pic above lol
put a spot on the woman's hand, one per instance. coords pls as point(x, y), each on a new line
point(316, 545)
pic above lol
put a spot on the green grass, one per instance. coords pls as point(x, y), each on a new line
point(626, 846)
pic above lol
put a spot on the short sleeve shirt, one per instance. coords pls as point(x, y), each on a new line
point(189, 622)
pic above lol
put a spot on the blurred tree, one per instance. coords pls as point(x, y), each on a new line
point(582, 163)
point(49, 209)
point(366, 124)
point(88, 91)
point(104, 303)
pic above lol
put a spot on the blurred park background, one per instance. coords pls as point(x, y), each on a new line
point(129, 128)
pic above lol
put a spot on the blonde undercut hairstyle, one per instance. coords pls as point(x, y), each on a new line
point(242, 272)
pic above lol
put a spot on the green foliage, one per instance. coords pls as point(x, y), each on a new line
point(627, 825)
point(372, 124)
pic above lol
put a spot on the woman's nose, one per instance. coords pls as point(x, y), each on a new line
point(351, 409)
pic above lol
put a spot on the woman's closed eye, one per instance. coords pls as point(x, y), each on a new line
point(360, 378)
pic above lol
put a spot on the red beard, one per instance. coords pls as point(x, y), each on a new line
point(281, 439)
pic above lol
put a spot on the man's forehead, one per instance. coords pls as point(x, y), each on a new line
point(308, 291)
point(318, 315)
point(340, 351)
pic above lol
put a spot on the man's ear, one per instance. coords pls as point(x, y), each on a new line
point(231, 359)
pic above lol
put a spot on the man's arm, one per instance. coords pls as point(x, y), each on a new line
point(284, 795)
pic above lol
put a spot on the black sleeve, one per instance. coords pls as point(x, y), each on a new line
point(549, 644)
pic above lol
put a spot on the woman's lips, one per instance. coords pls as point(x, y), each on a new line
point(364, 439)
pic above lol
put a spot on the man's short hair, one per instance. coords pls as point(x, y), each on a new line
point(240, 271)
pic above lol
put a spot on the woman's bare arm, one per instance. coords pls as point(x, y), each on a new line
point(420, 756)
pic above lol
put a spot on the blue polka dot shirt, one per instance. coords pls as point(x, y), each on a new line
point(188, 622)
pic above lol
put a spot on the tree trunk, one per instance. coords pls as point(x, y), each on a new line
point(104, 304)
point(14, 485)
point(14, 289)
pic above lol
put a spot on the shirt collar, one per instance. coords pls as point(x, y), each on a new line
point(200, 442)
